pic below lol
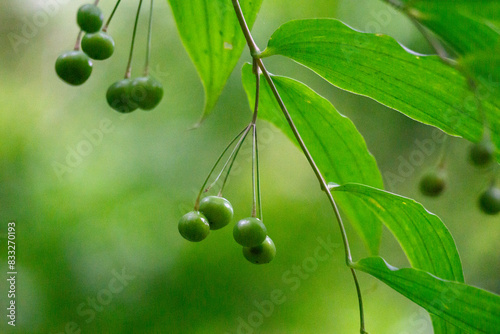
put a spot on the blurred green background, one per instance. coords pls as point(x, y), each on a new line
point(97, 244)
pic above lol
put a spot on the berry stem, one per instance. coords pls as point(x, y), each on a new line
point(148, 48)
point(197, 203)
point(78, 40)
point(256, 203)
point(254, 51)
point(105, 28)
point(128, 72)
point(232, 158)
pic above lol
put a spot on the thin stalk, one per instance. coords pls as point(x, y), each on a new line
point(215, 166)
point(129, 65)
point(255, 159)
point(257, 175)
point(78, 40)
point(232, 158)
point(254, 50)
point(434, 43)
point(254, 181)
point(105, 28)
point(312, 163)
point(148, 49)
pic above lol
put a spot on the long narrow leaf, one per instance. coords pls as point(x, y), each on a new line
point(421, 87)
point(338, 148)
point(472, 309)
point(212, 36)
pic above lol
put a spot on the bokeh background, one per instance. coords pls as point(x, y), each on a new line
point(97, 244)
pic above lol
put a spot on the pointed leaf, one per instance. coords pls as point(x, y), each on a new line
point(424, 238)
point(467, 26)
point(421, 87)
point(422, 235)
point(212, 36)
point(332, 140)
point(472, 309)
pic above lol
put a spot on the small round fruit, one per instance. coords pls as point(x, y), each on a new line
point(193, 226)
point(98, 45)
point(90, 18)
point(433, 183)
point(218, 211)
point(249, 232)
point(482, 153)
point(119, 96)
point(74, 67)
point(489, 202)
point(147, 92)
point(263, 253)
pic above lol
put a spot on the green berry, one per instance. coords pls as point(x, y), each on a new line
point(74, 67)
point(482, 153)
point(90, 18)
point(489, 202)
point(98, 45)
point(263, 253)
point(147, 92)
point(193, 226)
point(433, 183)
point(218, 211)
point(249, 232)
point(119, 96)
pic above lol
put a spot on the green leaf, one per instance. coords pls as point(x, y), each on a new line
point(472, 309)
point(212, 36)
point(421, 87)
point(472, 30)
point(423, 237)
point(332, 139)
point(467, 26)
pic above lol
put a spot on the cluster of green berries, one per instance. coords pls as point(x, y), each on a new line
point(481, 154)
point(129, 94)
point(75, 67)
point(214, 213)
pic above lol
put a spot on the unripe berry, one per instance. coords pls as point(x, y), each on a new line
point(218, 211)
point(74, 67)
point(119, 96)
point(98, 46)
point(249, 232)
point(147, 92)
point(433, 183)
point(193, 226)
point(482, 153)
point(90, 18)
point(489, 202)
point(263, 253)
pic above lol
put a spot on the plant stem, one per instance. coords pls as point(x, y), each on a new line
point(129, 65)
point(148, 49)
point(196, 206)
point(78, 40)
point(256, 203)
point(105, 28)
point(233, 156)
point(254, 51)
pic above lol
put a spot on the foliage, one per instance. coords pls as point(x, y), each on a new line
point(423, 87)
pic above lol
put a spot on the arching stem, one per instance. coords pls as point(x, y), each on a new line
point(254, 51)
